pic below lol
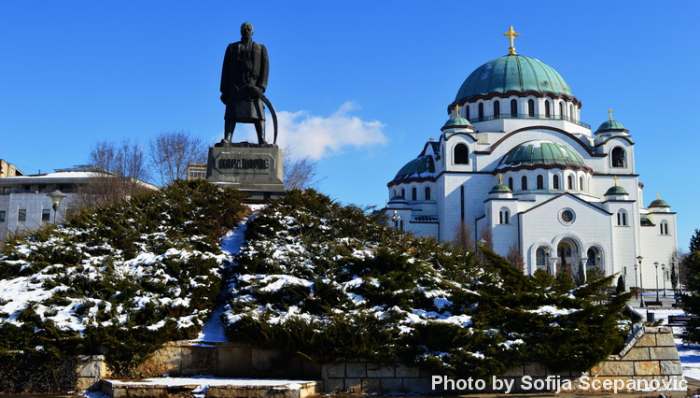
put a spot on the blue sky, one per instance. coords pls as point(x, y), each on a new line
point(382, 73)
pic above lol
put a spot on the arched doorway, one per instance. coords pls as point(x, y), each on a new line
point(594, 260)
point(568, 254)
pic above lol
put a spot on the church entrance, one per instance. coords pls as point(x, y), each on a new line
point(568, 254)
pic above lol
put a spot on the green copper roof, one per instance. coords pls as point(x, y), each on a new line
point(500, 188)
point(616, 190)
point(658, 203)
point(415, 168)
point(542, 153)
point(456, 122)
point(610, 124)
point(513, 73)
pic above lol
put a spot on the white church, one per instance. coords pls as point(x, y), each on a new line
point(514, 164)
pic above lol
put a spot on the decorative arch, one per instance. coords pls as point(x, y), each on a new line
point(595, 258)
point(532, 255)
point(565, 133)
point(618, 157)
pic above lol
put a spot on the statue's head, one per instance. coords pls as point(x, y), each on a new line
point(246, 31)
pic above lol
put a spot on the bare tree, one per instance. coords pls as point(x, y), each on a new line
point(486, 239)
point(299, 174)
point(515, 259)
point(171, 153)
point(463, 238)
point(124, 160)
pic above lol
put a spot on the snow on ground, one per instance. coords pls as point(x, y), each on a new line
point(210, 381)
point(213, 330)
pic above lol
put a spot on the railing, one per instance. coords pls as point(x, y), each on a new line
point(527, 116)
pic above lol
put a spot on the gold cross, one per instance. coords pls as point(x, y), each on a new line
point(455, 111)
point(610, 114)
point(511, 34)
point(615, 179)
point(500, 178)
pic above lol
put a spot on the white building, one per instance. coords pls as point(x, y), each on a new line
point(26, 203)
point(515, 163)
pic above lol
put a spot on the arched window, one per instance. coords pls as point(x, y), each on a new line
point(580, 183)
point(510, 184)
point(540, 182)
point(496, 109)
point(466, 110)
point(622, 218)
point(594, 258)
point(556, 182)
point(481, 111)
point(531, 108)
point(561, 110)
point(570, 180)
point(523, 183)
point(403, 193)
point(547, 111)
point(514, 108)
point(504, 216)
point(664, 227)
point(541, 258)
point(461, 154)
point(414, 193)
point(427, 193)
point(618, 157)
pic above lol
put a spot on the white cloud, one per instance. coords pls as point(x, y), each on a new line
point(303, 134)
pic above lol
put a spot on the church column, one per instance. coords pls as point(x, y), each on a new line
point(583, 268)
point(553, 265)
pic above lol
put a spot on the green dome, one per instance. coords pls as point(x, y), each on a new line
point(542, 153)
point(513, 73)
point(416, 168)
point(610, 124)
point(658, 203)
point(500, 188)
point(616, 190)
point(453, 122)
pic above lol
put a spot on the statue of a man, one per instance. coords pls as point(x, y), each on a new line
point(243, 83)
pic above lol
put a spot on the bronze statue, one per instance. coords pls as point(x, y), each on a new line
point(243, 83)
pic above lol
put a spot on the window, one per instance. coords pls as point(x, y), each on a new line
point(556, 182)
point(414, 193)
point(547, 111)
point(481, 111)
point(514, 108)
point(541, 258)
point(570, 180)
point(45, 215)
point(496, 109)
point(22, 215)
point(2, 215)
point(461, 154)
point(567, 216)
point(618, 157)
point(504, 216)
point(531, 108)
point(427, 193)
point(540, 182)
point(561, 110)
point(403, 193)
point(664, 227)
point(466, 109)
point(594, 259)
point(580, 183)
point(622, 218)
point(523, 183)
point(510, 184)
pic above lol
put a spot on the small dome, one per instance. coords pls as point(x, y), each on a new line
point(542, 153)
point(417, 167)
point(500, 188)
point(611, 124)
point(616, 190)
point(658, 203)
point(456, 122)
point(513, 74)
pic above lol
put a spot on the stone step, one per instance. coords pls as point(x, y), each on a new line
point(209, 387)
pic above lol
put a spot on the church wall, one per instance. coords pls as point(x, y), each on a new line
point(541, 226)
point(657, 248)
point(624, 241)
point(504, 236)
point(476, 188)
point(428, 230)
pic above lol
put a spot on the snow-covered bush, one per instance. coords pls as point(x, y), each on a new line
point(332, 283)
point(118, 280)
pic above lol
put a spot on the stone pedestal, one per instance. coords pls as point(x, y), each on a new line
point(256, 169)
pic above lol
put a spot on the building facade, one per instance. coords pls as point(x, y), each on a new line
point(516, 167)
point(26, 202)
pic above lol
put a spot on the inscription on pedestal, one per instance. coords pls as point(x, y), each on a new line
point(247, 167)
